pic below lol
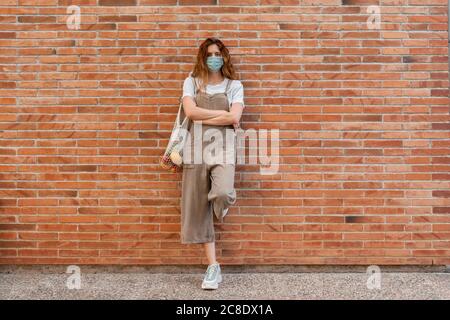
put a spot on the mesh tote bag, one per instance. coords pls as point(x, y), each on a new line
point(172, 159)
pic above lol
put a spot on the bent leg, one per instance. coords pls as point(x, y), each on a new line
point(222, 194)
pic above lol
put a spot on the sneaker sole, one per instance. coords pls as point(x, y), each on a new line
point(212, 285)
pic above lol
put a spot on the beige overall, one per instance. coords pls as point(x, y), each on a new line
point(207, 188)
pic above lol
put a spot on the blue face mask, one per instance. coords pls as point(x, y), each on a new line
point(214, 63)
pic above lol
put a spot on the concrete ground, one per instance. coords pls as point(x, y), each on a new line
point(40, 282)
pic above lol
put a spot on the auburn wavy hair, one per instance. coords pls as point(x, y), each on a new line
point(201, 69)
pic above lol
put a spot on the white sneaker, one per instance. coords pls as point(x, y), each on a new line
point(225, 212)
point(213, 277)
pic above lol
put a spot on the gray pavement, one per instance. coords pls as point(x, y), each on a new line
point(104, 283)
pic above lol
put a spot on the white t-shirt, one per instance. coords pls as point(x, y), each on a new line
point(235, 90)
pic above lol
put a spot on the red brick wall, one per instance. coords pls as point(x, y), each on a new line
point(363, 117)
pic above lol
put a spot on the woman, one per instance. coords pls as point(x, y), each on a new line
point(214, 99)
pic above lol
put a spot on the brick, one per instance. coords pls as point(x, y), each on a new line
point(117, 2)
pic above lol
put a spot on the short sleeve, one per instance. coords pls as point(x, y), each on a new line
point(237, 92)
point(188, 87)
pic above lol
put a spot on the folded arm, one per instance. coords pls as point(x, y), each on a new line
point(213, 117)
point(229, 117)
point(194, 112)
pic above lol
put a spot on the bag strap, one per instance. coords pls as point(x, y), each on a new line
point(181, 115)
point(228, 86)
point(195, 86)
